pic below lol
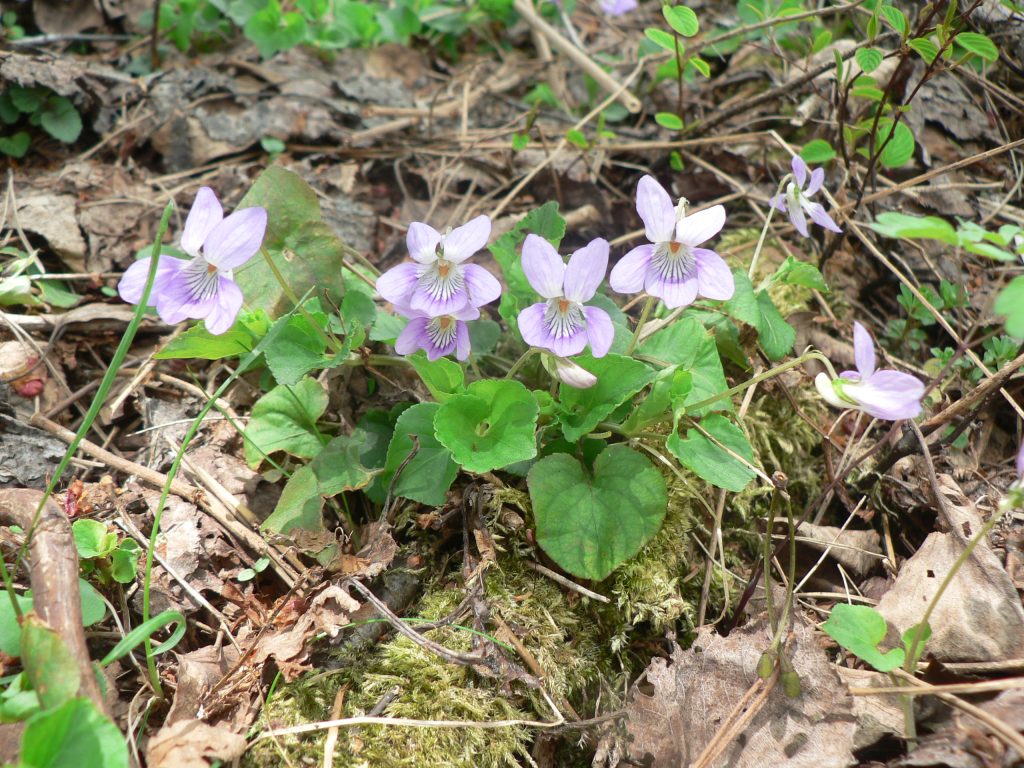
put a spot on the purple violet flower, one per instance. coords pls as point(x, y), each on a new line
point(437, 336)
point(671, 266)
point(562, 324)
point(201, 288)
point(617, 7)
point(439, 283)
point(889, 395)
point(795, 200)
point(568, 372)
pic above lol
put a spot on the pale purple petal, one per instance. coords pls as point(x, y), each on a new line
point(461, 341)
point(863, 350)
point(176, 301)
point(890, 395)
point(600, 331)
point(617, 7)
point(225, 308)
point(531, 325)
point(133, 281)
point(398, 283)
point(543, 266)
point(778, 202)
point(586, 270)
point(700, 227)
point(575, 376)
point(674, 294)
point(462, 242)
point(236, 239)
point(799, 170)
point(422, 240)
point(818, 215)
point(483, 287)
point(714, 278)
point(206, 214)
point(817, 179)
point(468, 312)
point(796, 216)
point(655, 209)
point(567, 346)
point(413, 336)
point(629, 274)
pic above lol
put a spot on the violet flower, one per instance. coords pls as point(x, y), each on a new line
point(617, 7)
point(201, 288)
point(568, 372)
point(795, 200)
point(437, 336)
point(439, 283)
point(890, 395)
point(671, 266)
point(562, 324)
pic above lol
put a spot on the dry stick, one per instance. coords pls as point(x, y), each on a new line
point(567, 583)
point(332, 733)
point(914, 690)
point(562, 143)
point(579, 57)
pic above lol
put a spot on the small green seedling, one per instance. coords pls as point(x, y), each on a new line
point(859, 629)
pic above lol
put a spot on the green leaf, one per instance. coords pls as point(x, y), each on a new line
point(773, 332)
point(305, 250)
point(900, 147)
point(299, 506)
point(92, 538)
point(697, 63)
point(895, 18)
point(489, 427)
point(682, 19)
point(443, 377)
point(869, 59)
point(273, 31)
point(793, 272)
point(61, 120)
point(978, 44)
point(618, 379)
point(198, 343)
point(687, 344)
point(16, 145)
point(817, 152)
point(925, 48)
point(670, 386)
point(10, 631)
point(1010, 303)
point(386, 326)
point(662, 39)
point(49, 665)
point(484, 335)
point(428, 475)
point(27, 100)
point(577, 138)
point(859, 629)
point(124, 562)
point(285, 419)
point(74, 734)
point(914, 639)
point(743, 304)
point(669, 120)
point(339, 466)
point(710, 461)
point(590, 523)
point(298, 348)
point(895, 224)
point(94, 610)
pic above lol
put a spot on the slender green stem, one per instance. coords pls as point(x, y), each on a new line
point(97, 402)
point(519, 363)
point(328, 339)
point(644, 314)
point(772, 372)
point(764, 229)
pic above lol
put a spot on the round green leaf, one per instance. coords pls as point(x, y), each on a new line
point(661, 38)
point(618, 379)
point(869, 59)
point(859, 629)
point(590, 523)
point(428, 475)
point(285, 419)
point(682, 19)
point(925, 48)
point(92, 539)
point(61, 120)
point(817, 151)
point(489, 427)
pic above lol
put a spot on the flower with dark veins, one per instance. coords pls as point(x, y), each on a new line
point(201, 288)
point(796, 199)
point(439, 335)
point(562, 323)
point(672, 266)
point(885, 394)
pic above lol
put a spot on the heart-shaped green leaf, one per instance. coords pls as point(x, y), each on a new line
point(590, 523)
point(489, 427)
point(618, 379)
point(285, 419)
point(710, 461)
point(859, 629)
point(428, 475)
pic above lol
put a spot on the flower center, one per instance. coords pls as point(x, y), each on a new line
point(202, 279)
point(441, 331)
point(673, 260)
point(563, 317)
point(442, 280)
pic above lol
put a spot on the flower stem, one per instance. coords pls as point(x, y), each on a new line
point(644, 314)
point(519, 363)
point(328, 339)
point(764, 229)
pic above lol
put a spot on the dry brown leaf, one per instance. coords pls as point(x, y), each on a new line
point(692, 698)
point(193, 744)
point(197, 673)
point(52, 217)
point(877, 716)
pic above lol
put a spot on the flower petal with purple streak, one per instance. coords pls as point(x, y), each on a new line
point(483, 287)
point(133, 281)
point(236, 239)
point(600, 330)
point(397, 284)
